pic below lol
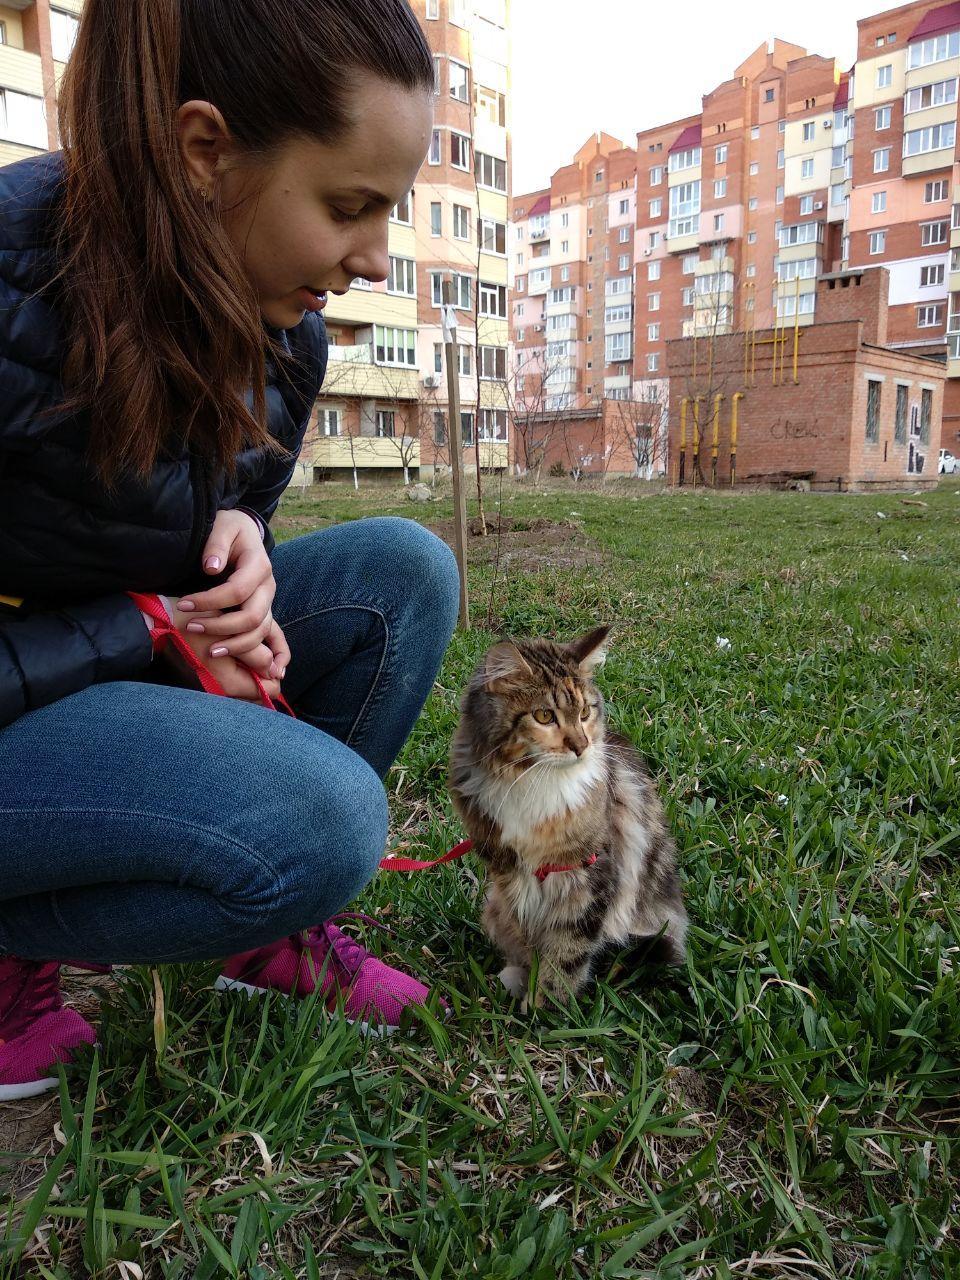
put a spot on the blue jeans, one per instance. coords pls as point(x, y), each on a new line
point(141, 823)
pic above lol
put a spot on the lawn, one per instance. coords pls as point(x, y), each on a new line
point(787, 1106)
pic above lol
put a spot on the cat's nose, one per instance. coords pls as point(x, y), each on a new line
point(578, 748)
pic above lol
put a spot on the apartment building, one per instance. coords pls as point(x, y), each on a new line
point(384, 408)
point(36, 39)
point(795, 168)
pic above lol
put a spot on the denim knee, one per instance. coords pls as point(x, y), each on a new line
point(426, 566)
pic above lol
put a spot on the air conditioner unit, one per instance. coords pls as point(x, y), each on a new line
point(432, 381)
point(539, 328)
point(828, 124)
point(818, 204)
point(647, 253)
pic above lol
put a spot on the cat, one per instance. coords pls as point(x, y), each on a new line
point(540, 782)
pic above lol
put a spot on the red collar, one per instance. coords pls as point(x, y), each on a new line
point(409, 864)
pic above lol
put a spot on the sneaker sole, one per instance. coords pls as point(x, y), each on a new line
point(30, 1089)
point(234, 984)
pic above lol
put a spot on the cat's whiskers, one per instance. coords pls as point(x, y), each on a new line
point(527, 773)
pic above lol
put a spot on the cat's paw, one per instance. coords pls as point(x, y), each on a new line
point(515, 978)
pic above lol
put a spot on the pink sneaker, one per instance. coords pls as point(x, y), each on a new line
point(375, 995)
point(36, 1031)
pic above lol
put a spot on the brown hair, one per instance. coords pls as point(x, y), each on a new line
point(164, 337)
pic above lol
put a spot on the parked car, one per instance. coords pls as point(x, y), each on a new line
point(948, 463)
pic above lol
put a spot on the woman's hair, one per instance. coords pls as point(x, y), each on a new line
point(165, 342)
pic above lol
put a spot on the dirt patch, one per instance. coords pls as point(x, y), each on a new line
point(527, 545)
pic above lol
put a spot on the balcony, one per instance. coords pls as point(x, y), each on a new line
point(542, 234)
point(352, 372)
point(364, 452)
point(715, 266)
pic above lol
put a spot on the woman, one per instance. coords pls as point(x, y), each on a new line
point(161, 346)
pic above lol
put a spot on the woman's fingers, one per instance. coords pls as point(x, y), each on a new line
point(252, 573)
point(255, 613)
point(277, 642)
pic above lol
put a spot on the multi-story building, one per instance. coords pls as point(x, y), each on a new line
point(793, 169)
point(384, 407)
point(36, 39)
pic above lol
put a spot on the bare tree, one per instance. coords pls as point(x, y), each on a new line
point(537, 418)
point(639, 426)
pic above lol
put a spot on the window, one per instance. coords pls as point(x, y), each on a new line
point(618, 285)
point(689, 262)
point(934, 232)
point(688, 159)
point(435, 156)
point(878, 242)
point(653, 362)
point(879, 202)
point(653, 270)
point(438, 357)
point(465, 360)
point(755, 132)
point(466, 428)
point(433, 9)
point(459, 81)
point(493, 363)
point(838, 156)
point(873, 410)
point(492, 236)
point(936, 137)
point(624, 207)
point(885, 76)
point(931, 95)
point(800, 233)
point(402, 277)
point(493, 300)
point(436, 219)
point(22, 119)
point(619, 347)
point(3, 32)
point(781, 162)
point(719, 188)
point(687, 296)
point(564, 273)
point(809, 130)
point(837, 194)
point(491, 172)
point(720, 154)
point(653, 239)
point(806, 168)
point(882, 118)
point(564, 219)
point(623, 262)
point(936, 49)
point(491, 106)
point(900, 429)
point(791, 305)
point(936, 191)
point(718, 220)
point(928, 317)
point(329, 422)
point(386, 424)
point(625, 233)
point(437, 74)
point(754, 169)
point(395, 346)
point(932, 276)
point(753, 204)
point(618, 315)
point(653, 302)
point(768, 95)
point(461, 222)
point(518, 310)
point(656, 175)
point(653, 333)
point(799, 269)
point(460, 151)
point(751, 271)
point(520, 284)
point(361, 282)
point(439, 427)
point(463, 292)
point(493, 424)
point(926, 415)
point(806, 205)
point(881, 160)
point(656, 208)
point(63, 34)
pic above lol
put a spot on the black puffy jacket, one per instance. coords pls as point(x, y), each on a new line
point(68, 548)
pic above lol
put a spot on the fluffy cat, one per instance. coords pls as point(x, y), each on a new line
point(539, 782)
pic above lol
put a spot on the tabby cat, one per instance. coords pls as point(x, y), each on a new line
point(564, 814)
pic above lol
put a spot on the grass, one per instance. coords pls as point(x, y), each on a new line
point(785, 1107)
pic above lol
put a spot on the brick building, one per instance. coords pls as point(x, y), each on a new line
point(36, 39)
point(831, 404)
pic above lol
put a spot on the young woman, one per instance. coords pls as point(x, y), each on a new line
point(162, 282)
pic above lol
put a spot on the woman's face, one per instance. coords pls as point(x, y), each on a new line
point(313, 217)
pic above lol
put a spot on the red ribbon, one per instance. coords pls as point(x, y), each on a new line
point(165, 635)
point(464, 847)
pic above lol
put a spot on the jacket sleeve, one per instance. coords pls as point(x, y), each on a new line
point(46, 656)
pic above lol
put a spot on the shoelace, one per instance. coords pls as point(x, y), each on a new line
point(326, 939)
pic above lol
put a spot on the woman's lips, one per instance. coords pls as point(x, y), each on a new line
point(312, 301)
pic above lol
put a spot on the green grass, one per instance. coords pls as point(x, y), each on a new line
point(787, 1106)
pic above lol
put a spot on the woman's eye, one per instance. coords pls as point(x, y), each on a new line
point(341, 216)
point(585, 713)
point(543, 716)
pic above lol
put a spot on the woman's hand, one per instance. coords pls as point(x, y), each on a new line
point(233, 675)
point(242, 625)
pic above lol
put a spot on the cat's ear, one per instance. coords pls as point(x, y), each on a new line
point(504, 667)
point(590, 651)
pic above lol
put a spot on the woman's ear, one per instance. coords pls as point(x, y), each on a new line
point(204, 140)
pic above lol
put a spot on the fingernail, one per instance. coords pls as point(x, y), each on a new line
point(219, 652)
point(186, 606)
point(283, 672)
point(212, 563)
point(196, 626)
point(275, 671)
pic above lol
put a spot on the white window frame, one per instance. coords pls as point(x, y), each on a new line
point(934, 233)
point(930, 315)
point(884, 76)
point(461, 222)
point(402, 278)
point(436, 148)
point(883, 118)
point(933, 275)
point(494, 162)
point(465, 84)
point(878, 202)
point(878, 243)
point(653, 301)
point(495, 292)
point(465, 143)
point(404, 346)
point(881, 160)
point(806, 169)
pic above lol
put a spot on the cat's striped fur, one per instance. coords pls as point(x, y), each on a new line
point(533, 794)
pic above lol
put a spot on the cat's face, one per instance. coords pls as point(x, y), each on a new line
point(532, 700)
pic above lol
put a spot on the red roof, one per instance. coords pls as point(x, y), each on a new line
point(843, 93)
point(540, 206)
point(691, 137)
point(937, 21)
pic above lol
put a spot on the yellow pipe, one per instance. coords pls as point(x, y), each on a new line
point(734, 431)
point(796, 336)
point(715, 448)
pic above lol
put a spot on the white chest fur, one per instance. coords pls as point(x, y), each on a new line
point(518, 805)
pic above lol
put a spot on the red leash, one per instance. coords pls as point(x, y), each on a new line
point(165, 635)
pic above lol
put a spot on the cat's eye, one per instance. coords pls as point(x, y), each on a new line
point(543, 716)
point(585, 711)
